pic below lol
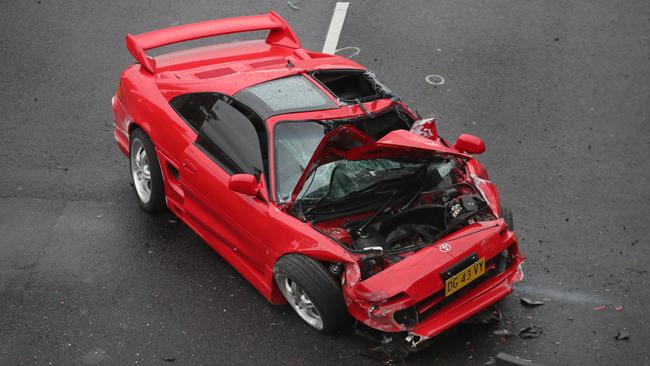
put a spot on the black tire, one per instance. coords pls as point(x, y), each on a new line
point(508, 216)
point(319, 285)
point(156, 202)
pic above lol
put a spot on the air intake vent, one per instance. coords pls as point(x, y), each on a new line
point(214, 73)
point(178, 102)
point(275, 61)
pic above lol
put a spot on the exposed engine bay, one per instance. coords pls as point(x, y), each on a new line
point(405, 215)
point(419, 224)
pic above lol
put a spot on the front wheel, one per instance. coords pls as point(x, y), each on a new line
point(145, 171)
point(312, 292)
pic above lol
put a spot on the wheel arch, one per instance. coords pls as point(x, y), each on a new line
point(138, 124)
point(132, 126)
point(142, 101)
point(147, 129)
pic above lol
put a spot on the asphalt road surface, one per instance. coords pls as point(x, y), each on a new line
point(559, 90)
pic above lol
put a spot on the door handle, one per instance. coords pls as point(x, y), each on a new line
point(188, 166)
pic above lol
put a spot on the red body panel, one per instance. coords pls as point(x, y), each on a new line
point(252, 233)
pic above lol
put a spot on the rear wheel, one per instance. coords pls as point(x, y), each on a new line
point(312, 292)
point(145, 171)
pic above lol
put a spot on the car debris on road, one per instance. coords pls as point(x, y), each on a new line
point(530, 302)
point(531, 331)
point(622, 335)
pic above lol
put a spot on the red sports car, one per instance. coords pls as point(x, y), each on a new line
point(312, 179)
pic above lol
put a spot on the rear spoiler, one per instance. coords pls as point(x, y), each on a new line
point(280, 34)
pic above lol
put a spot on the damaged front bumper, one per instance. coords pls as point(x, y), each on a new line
point(410, 297)
point(484, 295)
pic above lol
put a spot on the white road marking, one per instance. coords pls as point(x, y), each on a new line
point(434, 79)
point(334, 32)
point(355, 51)
point(293, 4)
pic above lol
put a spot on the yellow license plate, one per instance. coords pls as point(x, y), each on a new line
point(469, 274)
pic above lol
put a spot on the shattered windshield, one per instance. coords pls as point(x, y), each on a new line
point(342, 178)
point(295, 142)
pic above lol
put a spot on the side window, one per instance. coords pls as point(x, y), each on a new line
point(194, 108)
point(231, 134)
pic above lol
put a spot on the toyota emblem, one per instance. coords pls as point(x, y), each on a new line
point(445, 247)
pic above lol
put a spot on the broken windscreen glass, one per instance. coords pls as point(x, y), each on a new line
point(341, 178)
point(295, 142)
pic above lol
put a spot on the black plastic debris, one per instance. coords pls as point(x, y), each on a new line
point(504, 359)
point(622, 335)
point(531, 331)
point(530, 302)
point(388, 349)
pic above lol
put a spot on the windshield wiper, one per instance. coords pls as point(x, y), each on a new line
point(363, 108)
point(323, 202)
point(320, 203)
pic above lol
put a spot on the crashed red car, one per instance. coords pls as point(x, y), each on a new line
point(312, 179)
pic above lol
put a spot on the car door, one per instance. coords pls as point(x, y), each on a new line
point(228, 142)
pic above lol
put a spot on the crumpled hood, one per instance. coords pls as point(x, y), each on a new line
point(350, 143)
